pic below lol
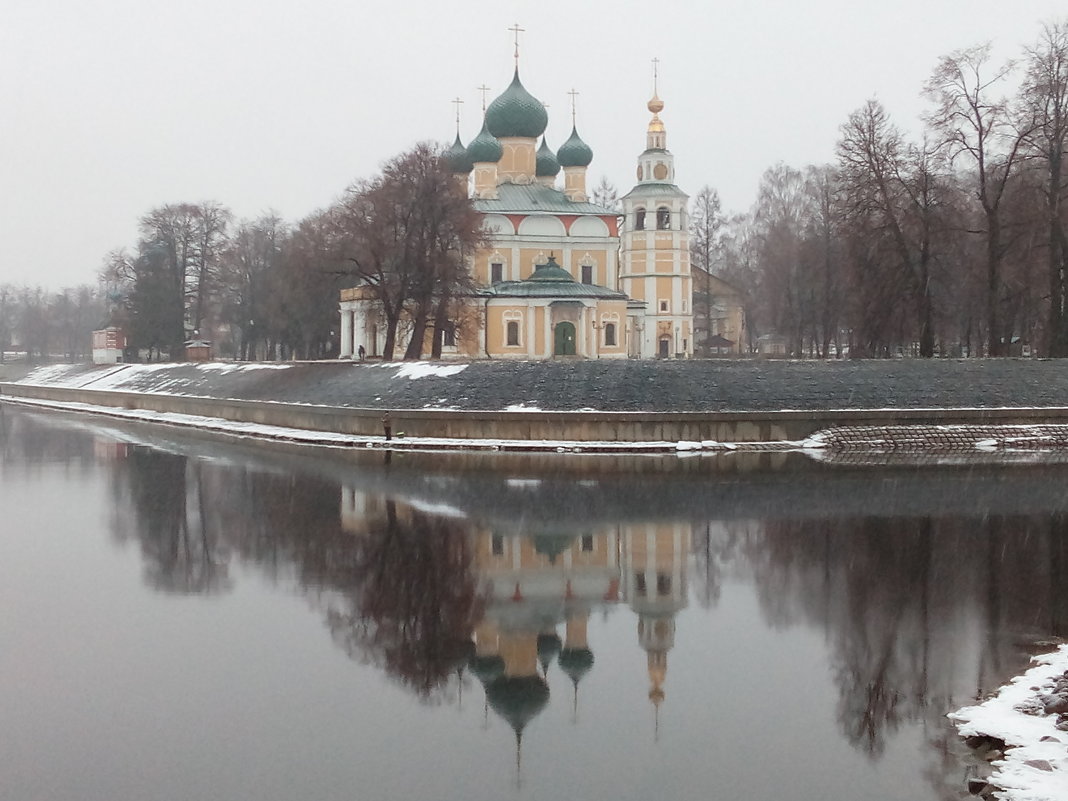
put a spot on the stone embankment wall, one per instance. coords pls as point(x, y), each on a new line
point(852, 429)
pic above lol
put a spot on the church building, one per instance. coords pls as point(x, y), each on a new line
point(561, 276)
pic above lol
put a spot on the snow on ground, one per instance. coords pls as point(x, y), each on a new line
point(521, 407)
point(127, 377)
point(415, 370)
point(1035, 765)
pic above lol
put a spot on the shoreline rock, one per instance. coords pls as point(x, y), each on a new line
point(1022, 734)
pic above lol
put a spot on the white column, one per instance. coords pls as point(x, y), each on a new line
point(346, 334)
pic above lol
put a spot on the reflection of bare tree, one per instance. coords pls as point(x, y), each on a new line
point(924, 613)
point(182, 551)
point(417, 604)
point(716, 546)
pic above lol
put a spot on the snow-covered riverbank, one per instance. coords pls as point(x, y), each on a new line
point(1030, 717)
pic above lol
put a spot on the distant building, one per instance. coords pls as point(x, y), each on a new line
point(109, 345)
point(718, 317)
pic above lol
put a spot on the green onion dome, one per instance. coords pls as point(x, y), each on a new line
point(574, 152)
point(575, 662)
point(517, 699)
point(546, 164)
point(484, 147)
point(487, 668)
point(457, 159)
point(517, 113)
point(549, 646)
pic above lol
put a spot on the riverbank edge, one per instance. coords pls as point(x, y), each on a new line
point(1005, 442)
point(828, 431)
point(1033, 762)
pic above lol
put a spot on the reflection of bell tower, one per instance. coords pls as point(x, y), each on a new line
point(654, 585)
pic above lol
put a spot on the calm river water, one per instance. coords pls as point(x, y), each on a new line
point(189, 618)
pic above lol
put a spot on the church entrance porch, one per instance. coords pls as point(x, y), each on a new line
point(564, 339)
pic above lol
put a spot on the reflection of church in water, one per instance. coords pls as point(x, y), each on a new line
point(540, 584)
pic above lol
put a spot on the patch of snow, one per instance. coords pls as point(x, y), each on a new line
point(437, 509)
point(688, 446)
point(521, 407)
point(523, 482)
point(414, 370)
point(986, 445)
point(1019, 773)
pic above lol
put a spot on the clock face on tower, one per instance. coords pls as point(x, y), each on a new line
point(660, 171)
point(639, 172)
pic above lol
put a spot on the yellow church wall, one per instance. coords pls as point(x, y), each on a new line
point(518, 158)
point(519, 650)
point(496, 329)
point(614, 311)
point(665, 263)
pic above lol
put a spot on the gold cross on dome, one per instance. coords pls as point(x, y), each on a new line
point(483, 89)
point(517, 30)
point(573, 94)
point(457, 102)
point(656, 65)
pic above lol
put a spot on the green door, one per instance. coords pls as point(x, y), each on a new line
point(564, 339)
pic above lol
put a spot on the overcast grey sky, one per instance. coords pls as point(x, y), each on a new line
point(111, 107)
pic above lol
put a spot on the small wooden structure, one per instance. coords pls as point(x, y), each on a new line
point(198, 350)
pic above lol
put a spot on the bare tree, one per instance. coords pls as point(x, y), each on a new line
point(1044, 113)
point(972, 122)
point(407, 234)
point(605, 194)
point(706, 222)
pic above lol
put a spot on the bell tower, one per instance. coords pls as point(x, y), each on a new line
point(655, 264)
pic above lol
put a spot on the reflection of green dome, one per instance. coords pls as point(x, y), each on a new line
point(518, 699)
point(516, 113)
point(576, 662)
point(574, 152)
point(551, 545)
point(486, 668)
point(484, 147)
point(457, 159)
point(548, 647)
point(550, 271)
point(546, 163)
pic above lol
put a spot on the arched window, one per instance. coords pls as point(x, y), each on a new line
point(610, 335)
point(512, 336)
point(663, 218)
point(639, 220)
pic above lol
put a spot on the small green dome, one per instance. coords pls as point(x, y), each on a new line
point(575, 662)
point(487, 668)
point(546, 164)
point(574, 152)
point(549, 645)
point(517, 113)
point(457, 159)
point(550, 271)
point(484, 147)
